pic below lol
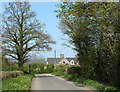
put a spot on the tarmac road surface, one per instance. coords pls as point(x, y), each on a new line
point(51, 82)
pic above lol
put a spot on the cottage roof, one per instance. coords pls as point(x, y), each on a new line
point(57, 60)
point(54, 60)
point(74, 59)
point(31, 61)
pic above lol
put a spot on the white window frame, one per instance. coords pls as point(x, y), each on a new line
point(64, 62)
point(72, 62)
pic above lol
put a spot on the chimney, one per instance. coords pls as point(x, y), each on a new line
point(61, 55)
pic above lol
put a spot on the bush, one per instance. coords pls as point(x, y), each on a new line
point(26, 68)
point(37, 67)
point(49, 69)
point(61, 68)
point(11, 74)
point(50, 64)
point(9, 66)
point(72, 77)
point(74, 70)
point(92, 83)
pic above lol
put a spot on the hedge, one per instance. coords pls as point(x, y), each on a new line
point(11, 74)
point(100, 87)
point(9, 66)
point(74, 70)
point(38, 68)
point(61, 68)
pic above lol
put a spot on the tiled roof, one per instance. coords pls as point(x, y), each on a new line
point(74, 59)
point(54, 60)
point(30, 61)
point(57, 60)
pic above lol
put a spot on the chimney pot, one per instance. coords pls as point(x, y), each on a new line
point(61, 55)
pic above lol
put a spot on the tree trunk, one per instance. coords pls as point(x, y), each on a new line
point(20, 64)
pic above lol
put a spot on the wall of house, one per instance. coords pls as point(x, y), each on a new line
point(72, 63)
point(65, 60)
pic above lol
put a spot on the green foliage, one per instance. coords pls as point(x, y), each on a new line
point(9, 66)
point(70, 76)
point(74, 70)
point(11, 74)
point(19, 83)
point(26, 68)
point(37, 67)
point(61, 68)
point(49, 68)
point(93, 29)
point(95, 84)
point(92, 83)
point(50, 64)
point(58, 73)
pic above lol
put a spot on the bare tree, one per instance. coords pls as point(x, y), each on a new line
point(36, 56)
point(22, 32)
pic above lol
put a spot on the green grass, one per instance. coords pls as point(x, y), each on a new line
point(92, 83)
point(58, 73)
point(19, 83)
point(97, 85)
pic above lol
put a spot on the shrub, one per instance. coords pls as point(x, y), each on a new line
point(74, 70)
point(61, 68)
point(11, 74)
point(9, 66)
point(50, 64)
point(26, 68)
point(92, 83)
point(37, 67)
point(65, 75)
point(49, 69)
point(70, 76)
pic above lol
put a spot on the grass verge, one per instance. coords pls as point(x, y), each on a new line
point(92, 83)
point(19, 83)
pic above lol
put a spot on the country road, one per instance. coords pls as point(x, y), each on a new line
point(51, 82)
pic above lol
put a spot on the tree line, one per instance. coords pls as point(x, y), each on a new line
point(94, 31)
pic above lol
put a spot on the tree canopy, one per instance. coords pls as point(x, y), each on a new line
point(22, 32)
point(94, 30)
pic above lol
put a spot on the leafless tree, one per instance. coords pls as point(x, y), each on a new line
point(22, 32)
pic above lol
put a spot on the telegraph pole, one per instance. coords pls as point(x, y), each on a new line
point(55, 59)
point(55, 53)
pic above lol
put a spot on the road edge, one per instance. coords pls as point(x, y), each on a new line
point(78, 84)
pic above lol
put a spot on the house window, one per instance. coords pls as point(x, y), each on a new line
point(72, 62)
point(63, 62)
